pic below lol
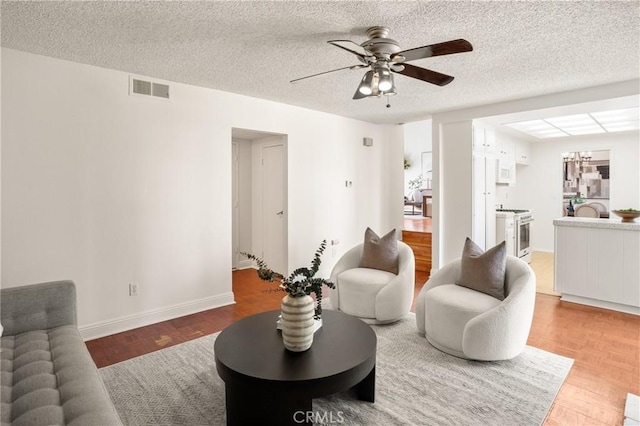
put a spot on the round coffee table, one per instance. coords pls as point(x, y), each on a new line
point(267, 384)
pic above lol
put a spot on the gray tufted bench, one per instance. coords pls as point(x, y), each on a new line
point(48, 376)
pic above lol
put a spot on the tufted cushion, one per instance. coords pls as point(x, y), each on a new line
point(48, 377)
point(448, 309)
point(359, 288)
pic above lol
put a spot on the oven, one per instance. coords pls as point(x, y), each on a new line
point(522, 231)
point(523, 235)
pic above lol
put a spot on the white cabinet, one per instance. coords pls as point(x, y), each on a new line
point(523, 153)
point(483, 202)
point(597, 262)
point(483, 228)
point(484, 139)
point(505, 150)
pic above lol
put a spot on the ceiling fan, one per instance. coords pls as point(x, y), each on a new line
point(384, 57)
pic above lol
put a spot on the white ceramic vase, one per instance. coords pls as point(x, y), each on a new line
point(297, 322)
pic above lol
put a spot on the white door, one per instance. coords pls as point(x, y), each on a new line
point(273, 208)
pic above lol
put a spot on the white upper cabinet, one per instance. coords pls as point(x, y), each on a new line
point(490, 140)
point(506, 150)
point(523, 152)
point(484, 139)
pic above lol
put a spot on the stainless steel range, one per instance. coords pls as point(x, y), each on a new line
point(522, 219)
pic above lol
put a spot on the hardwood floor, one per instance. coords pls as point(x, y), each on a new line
point(604, 344)
point(542, 263)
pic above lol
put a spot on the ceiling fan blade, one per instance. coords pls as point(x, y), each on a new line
point(439, 49)
point(352, 67)
point(424, 74)
point(354, 47)
point(363, 56)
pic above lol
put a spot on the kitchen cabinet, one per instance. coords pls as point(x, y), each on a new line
point(484, 139)
point(506, 161)
point(522, 153)
point(483, 229)
point(483, 201)
point(596, 262)
point(506, 150)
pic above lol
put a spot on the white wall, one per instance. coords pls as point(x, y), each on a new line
point(417, 139)
point(443, 222)
point(107, 189)
point(540, 184)
point(456, 187)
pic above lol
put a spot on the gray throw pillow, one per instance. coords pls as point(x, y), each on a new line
point(380, 253)
point(483, 271)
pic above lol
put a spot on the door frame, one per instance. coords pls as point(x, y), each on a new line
point(257, 139)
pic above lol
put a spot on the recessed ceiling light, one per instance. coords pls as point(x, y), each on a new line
point(555, 133)
point(585, 130)
point(533, 125)
point(619, 115)
point(571, 120)
point(581, 124)
point(621, 127)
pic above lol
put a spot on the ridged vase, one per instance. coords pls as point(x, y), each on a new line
point(297, 322)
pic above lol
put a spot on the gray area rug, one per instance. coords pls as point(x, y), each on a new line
point(415, 385)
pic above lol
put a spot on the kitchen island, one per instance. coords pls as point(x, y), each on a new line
point(597, 262)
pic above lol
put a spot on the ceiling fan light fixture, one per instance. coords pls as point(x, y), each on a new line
point(385, 82)
point(366, 85)
point(391, 91)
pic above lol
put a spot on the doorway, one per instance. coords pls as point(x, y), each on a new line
point(418, 204)
point(259, 198)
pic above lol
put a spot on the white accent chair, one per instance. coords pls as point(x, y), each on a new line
point(473, 325)
point(374, 296)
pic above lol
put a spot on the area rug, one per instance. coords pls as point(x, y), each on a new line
point(415, 385)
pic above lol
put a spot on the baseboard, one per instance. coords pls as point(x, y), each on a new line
point(600, 304)
point(245, 264)
point(632, 410)
point(118, 325)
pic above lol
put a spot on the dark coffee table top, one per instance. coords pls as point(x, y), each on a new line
point(252, 350)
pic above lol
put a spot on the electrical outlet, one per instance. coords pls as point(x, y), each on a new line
point(133, 289)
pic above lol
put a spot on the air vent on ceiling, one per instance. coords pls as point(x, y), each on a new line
point(140, 87)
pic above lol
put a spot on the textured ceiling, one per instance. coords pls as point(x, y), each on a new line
point(521, 49)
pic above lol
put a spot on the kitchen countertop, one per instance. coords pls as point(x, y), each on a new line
point(589, 222)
